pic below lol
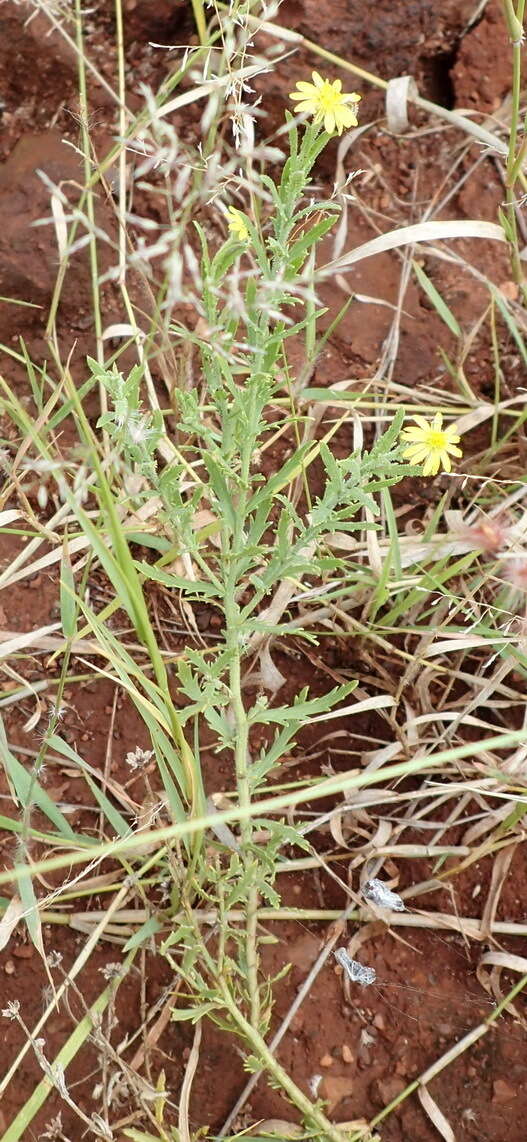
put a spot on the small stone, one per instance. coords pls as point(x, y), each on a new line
point(23, 951)
point(445, 1030)
point(347, 1054)
point(334, 1089)
point(509, 289)
point(379, 1021)
point(503, 1091)
point(297, 1022)
point(9, 967)
point(326, 1061)
point(384, 1091)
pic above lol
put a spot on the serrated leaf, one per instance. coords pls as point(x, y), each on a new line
point(181, 1015)
point(169, 579)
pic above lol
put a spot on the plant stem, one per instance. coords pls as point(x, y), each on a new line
point(199, 17)
point(90, 207)
point(313, 1116)
point(514, 20)
point(241, 763)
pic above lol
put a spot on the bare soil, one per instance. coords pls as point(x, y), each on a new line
point(427, 995)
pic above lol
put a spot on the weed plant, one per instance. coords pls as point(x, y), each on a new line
point(227, 492)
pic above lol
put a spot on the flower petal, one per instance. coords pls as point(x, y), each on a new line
point(415, 453)
point(347, 117)
point(317, 79)
point(446, 462)
point(431, 465)
point(308, 105)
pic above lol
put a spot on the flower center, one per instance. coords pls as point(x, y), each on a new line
point(328, 98)
point(436, 439)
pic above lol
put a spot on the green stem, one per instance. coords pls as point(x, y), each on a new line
point(241, 763)
point(514, 20)
point(199, 16)
point(90, 209)
point(313, 1116)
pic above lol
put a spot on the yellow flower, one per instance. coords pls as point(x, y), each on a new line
point(327, 103)
point(431, 444)
point(237, 224)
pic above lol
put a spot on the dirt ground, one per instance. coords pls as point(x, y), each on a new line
point(427, 994)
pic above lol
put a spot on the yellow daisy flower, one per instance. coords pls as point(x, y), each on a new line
point(327, 103)
point(431, 444)
point(237, 224)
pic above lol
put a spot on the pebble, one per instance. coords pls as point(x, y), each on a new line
point(334, 1089)
point(9, 967)
point(23, 951)
point(347, 1053)
point(379, 1021)
point(503, 1091)
point(509, 289)
point(326, 1061)
point(385, 1090)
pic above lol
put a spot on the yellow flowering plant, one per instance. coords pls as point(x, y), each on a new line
point(430, 444)
point(237, 224)
point(327, 103)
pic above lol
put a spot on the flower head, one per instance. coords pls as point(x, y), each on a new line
point(137, 758)
point(486, 534)
point(431, 445)
point(516, 572)
point(327, 103)
point(237, 224)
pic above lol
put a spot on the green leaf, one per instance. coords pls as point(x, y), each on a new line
point(302, 709)
point(68, 605)
point(192, 586)
point(26, 788)
point(182, 1015)
point(149, 928)
point(31, 914)
point(438, 303)
point(111, 813)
